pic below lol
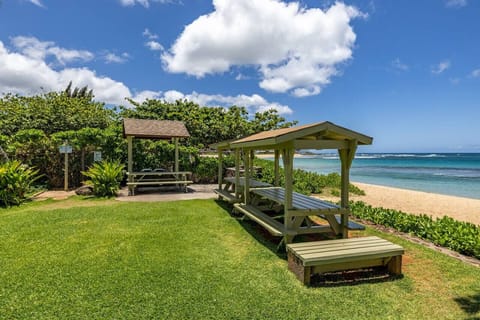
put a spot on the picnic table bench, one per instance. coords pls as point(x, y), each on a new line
point(302, 207)
point(228, 190)
point(308, 258)
point(157, 178)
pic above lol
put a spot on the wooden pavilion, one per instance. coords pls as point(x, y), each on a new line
point(254, 200)
point(154, 129)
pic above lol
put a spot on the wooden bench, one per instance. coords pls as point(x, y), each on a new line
point(271, 225)
point(308, 258)
point(227, 196)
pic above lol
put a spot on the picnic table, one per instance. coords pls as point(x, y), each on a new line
point(158, 178)
point(228, 190)
point(302, 208)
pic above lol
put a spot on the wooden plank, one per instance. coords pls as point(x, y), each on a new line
point(253, 183)
point(226, 195)
point(350, 265)
point(271, 225)
point(152, 183)
point(295, 246)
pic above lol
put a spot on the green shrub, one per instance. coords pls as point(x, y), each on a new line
point(15, 182)
point(306, 182)
point(447, 232)
point(105, 177)
point(205, 169)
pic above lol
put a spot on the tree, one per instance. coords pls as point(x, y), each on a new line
point(52, 112)
point(208, 125)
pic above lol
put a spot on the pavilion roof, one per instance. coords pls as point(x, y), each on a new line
point(321, 135)
point(154, 129)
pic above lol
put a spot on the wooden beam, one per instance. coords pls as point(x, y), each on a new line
point(130, 154)
point(246, 187)
point(220, 169)
point(277, 168)
point(237, 173)
point(320, 144)
point(345, 182)
point(177, 165)
point(287, 156)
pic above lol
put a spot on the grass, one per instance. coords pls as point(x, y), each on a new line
point(192, 260)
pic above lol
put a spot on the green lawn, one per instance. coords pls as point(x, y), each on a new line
point(83, 259)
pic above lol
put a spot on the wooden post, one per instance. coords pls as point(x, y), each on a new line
point(65, 182)
point(246, 188)
point(252, 156)
point(130, 163)
point(287, 156)
point(277, 168)
point(177, 165)
point(220, 168)
point(346, 158)
point(237, 173)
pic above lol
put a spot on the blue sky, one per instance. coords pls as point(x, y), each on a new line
point(405, 72)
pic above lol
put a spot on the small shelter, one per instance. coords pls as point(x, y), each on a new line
point(296, 207)
point(153, 129)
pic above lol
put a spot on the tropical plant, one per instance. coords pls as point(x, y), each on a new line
point(15, 182)
point(447, 232)
point(105, 177)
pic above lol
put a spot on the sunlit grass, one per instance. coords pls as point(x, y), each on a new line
point(192, 260)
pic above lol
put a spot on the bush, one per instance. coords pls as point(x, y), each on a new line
point(105, 177)
point(304, 181)
point(206, 168)
point(447, 232)
point(15, 182)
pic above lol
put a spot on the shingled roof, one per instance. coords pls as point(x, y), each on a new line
point(154, 129)
point(326, 131)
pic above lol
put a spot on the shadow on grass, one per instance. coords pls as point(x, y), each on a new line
point(256, 231)
point(330, 279)
point(471, 305)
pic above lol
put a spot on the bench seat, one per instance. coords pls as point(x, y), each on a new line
point(153, 183)
point(308, 258)
point(227, 196)
point(271, 225)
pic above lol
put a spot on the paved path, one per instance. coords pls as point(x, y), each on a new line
point(195, 191)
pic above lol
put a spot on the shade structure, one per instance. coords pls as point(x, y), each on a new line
point(284, 142)
point(153, 129)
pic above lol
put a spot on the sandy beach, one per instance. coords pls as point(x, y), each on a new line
point(418, 202)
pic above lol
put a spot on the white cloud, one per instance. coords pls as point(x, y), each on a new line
point(110, 57)
point(154, 45)
point(295, 49)
point(41, 50)
point(148, 34)
point(145, 3)
point(476, 73)
point(399, 65)
point(28, 73)
point(455, 3)
point(38, 3)
point(255, 102)
point(441, 67)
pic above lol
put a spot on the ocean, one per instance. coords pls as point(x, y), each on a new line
point(444, 173)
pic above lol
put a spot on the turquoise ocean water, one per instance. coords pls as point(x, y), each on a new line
point(445, 173)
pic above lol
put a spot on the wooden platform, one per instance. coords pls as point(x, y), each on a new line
point(308, 258)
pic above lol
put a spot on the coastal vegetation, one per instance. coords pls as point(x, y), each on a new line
point(33, 128)
point(85, 258)
point(447, 232)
